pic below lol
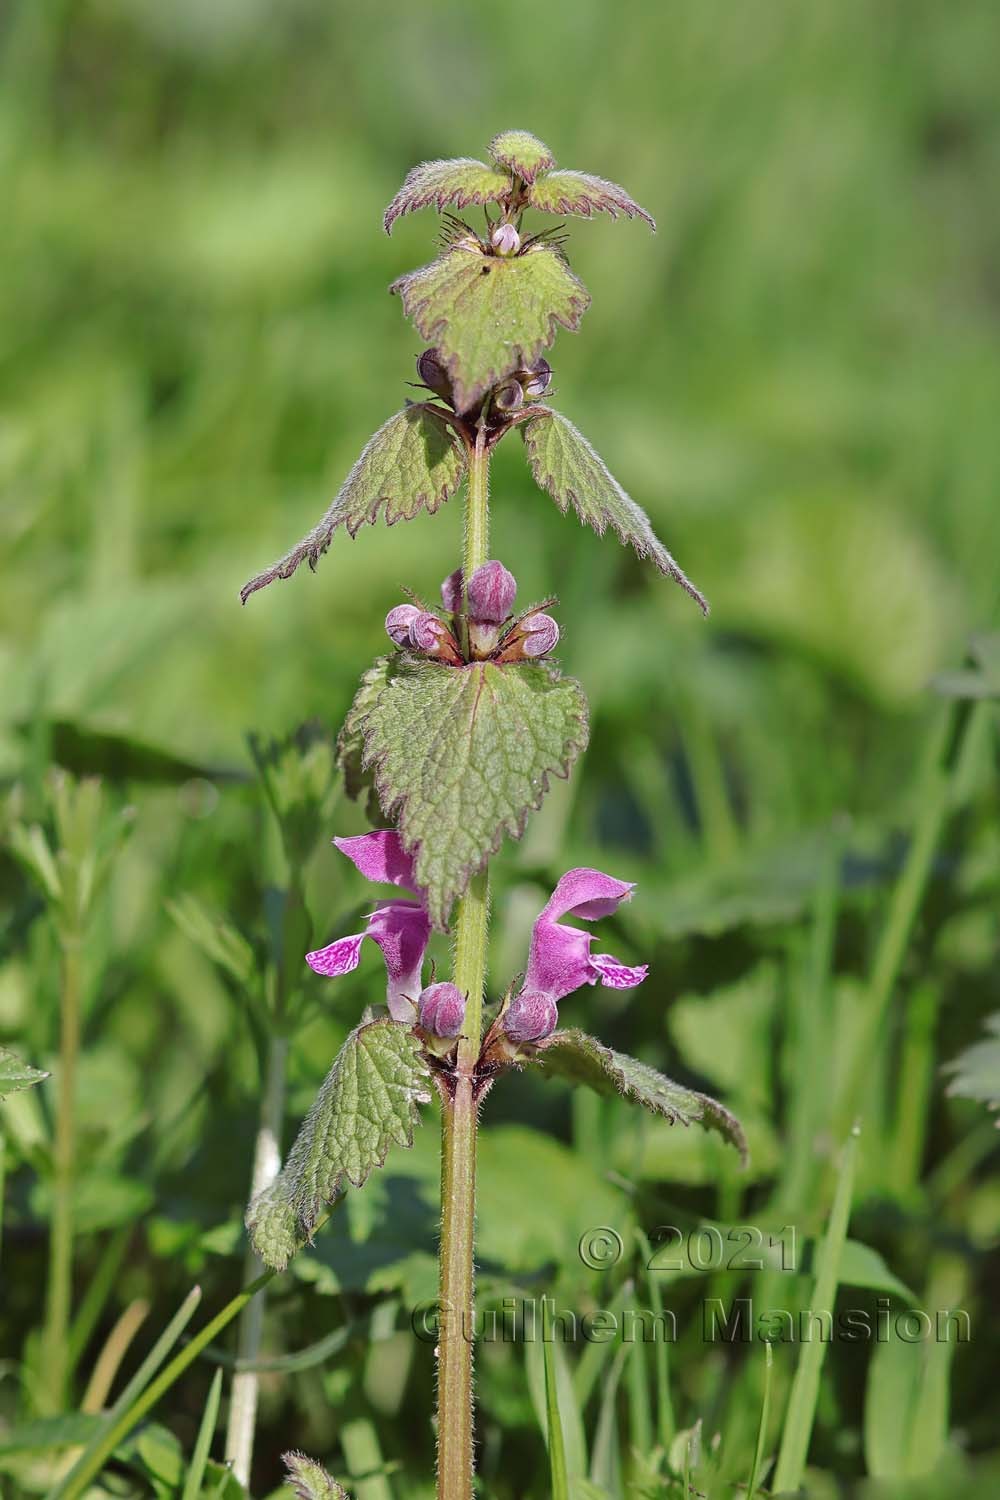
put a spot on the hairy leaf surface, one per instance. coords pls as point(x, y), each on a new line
point(580, 193)
point(458, 182)
point(461, 755)
point(564, 464)
point(368, 1102)
point(580, 1058)
point(358, 781)
point(522, 152)
point(488, 315)
point(413, 463)
point(16, 1075)
point(309, 1479)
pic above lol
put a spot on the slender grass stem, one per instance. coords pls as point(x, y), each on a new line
point(266, 1165)
point(55, 1342)
point(96, 1455)
point(459, 1116)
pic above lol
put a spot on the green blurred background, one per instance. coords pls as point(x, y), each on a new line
point(798, 377)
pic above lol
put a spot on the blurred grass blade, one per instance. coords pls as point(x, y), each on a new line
point(665, 1423)
point(765, 1408)
point(805, 1386)
point(206, 1431)
point(364, 1460)
point(605, 1463)
point(553, 1421)
point(98, 1291)
point(123, 1417)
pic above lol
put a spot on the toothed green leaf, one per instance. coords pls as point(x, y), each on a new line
point(461, 755)
point(413, 463)
point(359, 782)
point(309, 1479)
point(580, 1058)
point(16, 1075)
point(522, 152)
point(457, 182)
point(564, 464)
point(488, 315)
point(368, 1102)
point(580, 193)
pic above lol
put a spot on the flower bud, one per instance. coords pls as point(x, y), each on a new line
point(441, 1009)
point(451, 592)
point(509, 396)
point(539, 379)
point(506, 240)
point(427, 632)
point(492, 591)
point(530, 1018)
point(398, 622)
point(541, 634)
point(433, 373)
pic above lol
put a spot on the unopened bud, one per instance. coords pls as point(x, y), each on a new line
point(506, 240)
point(433, 373)
point(509, 396)
point(398, 622)
point(441, 1009)
point(530, 1018)
point(541, 634)
point(492, 591)
point(427, 632)
point(539, 379)
point(451, 591)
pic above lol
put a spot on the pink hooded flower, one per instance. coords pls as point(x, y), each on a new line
point(560, 960)
point(401, 928)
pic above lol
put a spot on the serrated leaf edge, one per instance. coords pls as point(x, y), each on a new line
point(317, 541)
point(395, 809)
point(410, 197)
point(657, 554)
point(466, 396)
point(306, 1228)
point(712, 1108)
point(546, 164)
point(615, 199)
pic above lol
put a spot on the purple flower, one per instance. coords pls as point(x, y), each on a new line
point(559, 958)
point(401, 928)
point(541, 634)
point(441, 1009)
point(505, 239)
point(492, 591)
point(398, 622)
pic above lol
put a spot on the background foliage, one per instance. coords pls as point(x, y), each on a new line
point(798, 377)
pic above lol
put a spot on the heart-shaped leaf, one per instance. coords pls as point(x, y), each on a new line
point(580, 193)
point(461, 755)
point(580, 1058)
point(368, 1102)
point(16, 1075)
point(564, 464)
point(413, 463)
point(488, 315)
point(457, 182)
point(522, 152)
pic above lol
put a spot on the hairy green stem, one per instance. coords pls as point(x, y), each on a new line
point(456, 1307)
point(477, 508)
point(55, 1342)
point(266, 1165)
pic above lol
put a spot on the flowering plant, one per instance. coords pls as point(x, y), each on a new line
point(454, 735)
